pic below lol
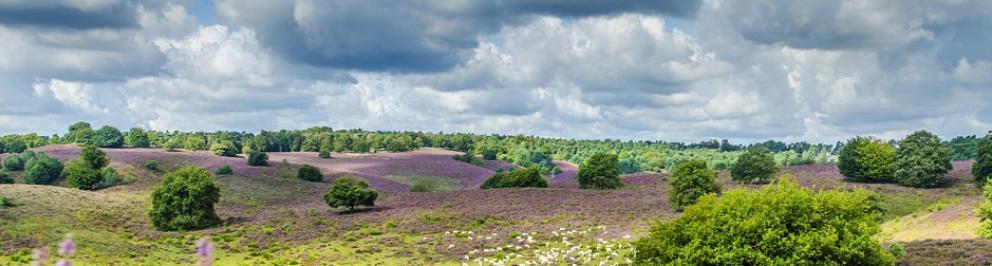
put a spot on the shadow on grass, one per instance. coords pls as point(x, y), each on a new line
point(361, 210)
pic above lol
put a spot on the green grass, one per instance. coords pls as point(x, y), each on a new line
point(437, 183)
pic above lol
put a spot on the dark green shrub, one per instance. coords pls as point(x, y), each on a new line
point(309, 173)
point(524, 177)
point(108, 178)
point(224, 170)
point(137, 138)
point(628, 166)
point(257, 158)
point(424, 186)
point(867, 159)
point(755, 165)
point(42, 169)
point(152, 165)
point(185, 200)
point(108, 137)
point(5, 177)
point(224, 148)
point(780, 224)
point(982, 168)
point(922, 160)
point(81, 175)
point(349, 191)
point(6, 202)
point(13, 162)
point(690, 180)
point(469, 157)
point(94, 157)
point(324, 152)
point(489, 154)
point(600, 171)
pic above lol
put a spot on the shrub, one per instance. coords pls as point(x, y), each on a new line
point(780, 224)
point(185, 200)
point(600, 171)
point(13, 162)
point(349, 191)
point(690, 180)
point(628, 166)
point(108, 137)
point(5, 177)
point(524, 177)
point(152, 165)
point(309, 173)
point(757, 164)
point(93, 157)
point(867, 159)
point(424, 186)
point(224, 170)
point(6, 202)
point(81, 175)
point(984, 212)
point(489, 154)
point(922, 160)
point(469, 157)
point(172, 144)
point(224, 148)
point(257, 158)
point(108, 178)
point(324, 152)
point(42, 169)
point(137, 137)
point(982, 168)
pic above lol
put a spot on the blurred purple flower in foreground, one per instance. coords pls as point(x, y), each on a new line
point(204, 250)
point(67, 247)
point(38, 255)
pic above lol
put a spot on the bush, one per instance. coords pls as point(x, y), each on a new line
point(6, 202)
point(757, 164)
point(224, 148)
point(469, 157)
point(424, 186)
point(152, 165)
point(690, 180)
point(5, 177)
point(985, 212)
point(108, 137)
point(867, 159)
point(81, 175)
point(108, 178)
point(172, 144)
point(185, 200)
point(349, 191)
point(780, 224)
point(324, 153)
point(309, 173)
point(922, 160)
point(224, 170)
point(13, 162)
point(93, 157)
point(257, 158)
point(600, 171)
point(524, 177)
point(489, 154)
point(137, 138)
point(42, 169)
point(982, 168)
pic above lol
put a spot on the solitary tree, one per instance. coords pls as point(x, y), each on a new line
point(757, 164)
point(185, 200)
point(309, 173)
point(108, 137)
point(93, 157)
point(349, 191)
point(982, 169)
point(867, 159)
point(257, 158)
point(600, 171)
point(81, 175)
point(922, 160)
point(690, 180)
point(523, 177)
point(224, 148)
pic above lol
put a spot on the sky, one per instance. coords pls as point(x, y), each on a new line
point(677, 70)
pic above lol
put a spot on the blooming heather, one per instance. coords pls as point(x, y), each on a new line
point(204, 252)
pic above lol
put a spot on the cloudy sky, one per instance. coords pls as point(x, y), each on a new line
point(632, 69)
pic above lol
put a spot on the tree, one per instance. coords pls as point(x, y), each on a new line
point(195, 143)
point(175, 142)
point(13, 162)
point(42, 169)
point(985, 212)
point(108, 137)
point(982, 168)
point(224, 170)
point(81, 175)
point(93, 157)
point(137, 138)
point(325, 147)
point(257, 158)
point(600, 171)
point(185, 200)
point(922, 160)
point(690, 180)
point(523, 177)
point(350, 191)
point(867, 159)
point(80, 132)
point(309, 173)
point(780, 224)
point(5, 177)
point(224, 148)
point(757, 164)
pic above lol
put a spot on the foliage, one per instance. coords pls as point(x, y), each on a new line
point(489, 154)
point(922, 160)
point(257, 158)
point(780, 224)
point(5, 202)
point(690, 180)
point(755, 165)
point(137, 138)
point(152, 165)
point(107, 137)
point(81, 175)
point(528, 158)
point(425, 185)
point(224, 148)
point(108, 178)
point(523, 177)
point(982, 168)
point(309, 173)
point(628, 166)
point(984, 212)
point(350, 191)
point(224, 170)
point(93, 157)
point(468, 157)
point(185, 200)
point(13, 162)
point(173, 144)
point(867, 159)
point(80, 132)
point(41, 169)
point(963, 147)
point(5, 177)
point(600, 171)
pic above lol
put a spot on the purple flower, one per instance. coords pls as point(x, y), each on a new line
point(63, 262)
point(204, 250)
point(67, 247)
point(39, 255)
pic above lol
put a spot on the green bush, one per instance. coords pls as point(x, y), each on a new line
point(257, 158)
point(152, 165)
point(755, 165)
point(173, 144)
point(600, 171)
point(185, 200)
point(424, 186)
point(690, 180)
point(982, 168)
point(922, 160)
point(324, 152)
point(6, 202)
point(81, 175)
point(780, 224)
point(523, 177)
point(985, 212)
point(108, 178)
point(13, 162)
point(489, 154)
point(137, 138)
point(42, 169)
point(309, 173)
point(469, 157)
point(108, 137)
point(94, 157)
point(224, 170)
point(350, 191)
point(224, 148)
point(867, 159)
point(5, 177)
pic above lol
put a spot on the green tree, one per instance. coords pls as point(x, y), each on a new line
point(224, 148)
point(523, 177)
point(42, 169)
point(349, 191)
point(984, 212)
point(93, 157)
point(137, 138)
point(175, 142)
point(185, 200)
point(5, 177)
point(195, 143)
point(80, 132)
point(310, 173)
point(13, 162)
point(326, 145)
point(867, 159)
point(690, 180)
point(81, 175)
point(755, 165)
point(780, 224)
point(257, 158)
point(600, 171)
point(982, 168)
point(108, 137)
point(922, 160)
